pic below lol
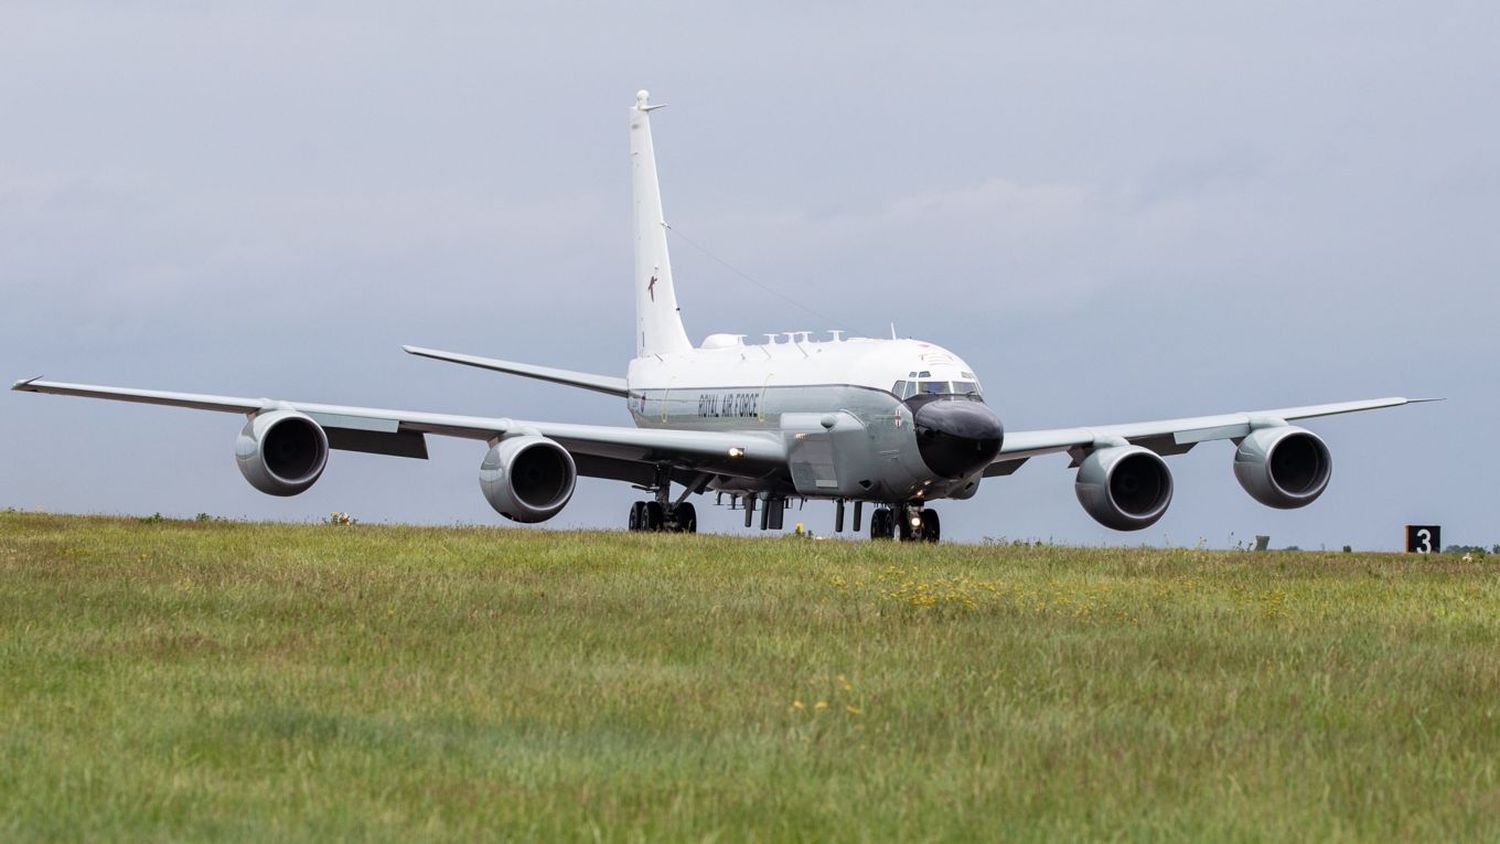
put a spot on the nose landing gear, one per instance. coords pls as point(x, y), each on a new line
point(911, 522)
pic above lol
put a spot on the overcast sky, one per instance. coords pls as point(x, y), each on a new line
point(1113, 214)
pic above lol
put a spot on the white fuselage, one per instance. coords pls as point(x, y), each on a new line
point(797, 387)
point(860, 361)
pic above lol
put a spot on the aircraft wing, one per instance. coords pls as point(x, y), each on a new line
point(1168, 436)
point(622, 453)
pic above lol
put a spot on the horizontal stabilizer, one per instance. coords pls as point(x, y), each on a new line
point(598, 383)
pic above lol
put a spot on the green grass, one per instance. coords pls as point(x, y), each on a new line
point(183, 680)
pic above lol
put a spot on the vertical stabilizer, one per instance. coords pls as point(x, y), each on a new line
point(658, 326)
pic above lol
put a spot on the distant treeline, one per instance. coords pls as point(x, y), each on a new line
point(1472, 549)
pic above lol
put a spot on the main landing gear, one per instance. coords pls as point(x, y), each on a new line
point(910, 523)
point(663, 515)
point(656, 517)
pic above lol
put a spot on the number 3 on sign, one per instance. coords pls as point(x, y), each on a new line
point(1424, 539)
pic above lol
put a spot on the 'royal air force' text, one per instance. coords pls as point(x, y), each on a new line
point(713, 405)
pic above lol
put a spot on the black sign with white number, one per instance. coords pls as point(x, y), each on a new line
point(1424, 539)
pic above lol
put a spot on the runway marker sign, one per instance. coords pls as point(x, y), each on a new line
point(1424, 539)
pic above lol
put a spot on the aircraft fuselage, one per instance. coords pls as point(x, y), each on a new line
point(848, 409)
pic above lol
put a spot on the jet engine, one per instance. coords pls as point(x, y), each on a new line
point(1124, 487)
point(281, 452)
point(1284, 466)
point(527, 478)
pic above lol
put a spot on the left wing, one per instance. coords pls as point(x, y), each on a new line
point(1168, 436)
point(612, 451)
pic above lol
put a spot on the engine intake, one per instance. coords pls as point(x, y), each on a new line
point(527, 478)
point(1284, 466)
point(1124, 487)
point(281, 452)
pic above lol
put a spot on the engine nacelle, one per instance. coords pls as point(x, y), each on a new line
point(1124, 487)
point(1283, 466)
point(527, 478)
point(281, 452)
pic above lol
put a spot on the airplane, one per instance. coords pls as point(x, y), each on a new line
point(892, 423)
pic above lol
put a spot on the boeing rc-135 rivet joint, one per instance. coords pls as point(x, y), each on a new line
point(896, 424)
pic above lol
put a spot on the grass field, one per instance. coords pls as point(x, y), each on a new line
point(179, 680)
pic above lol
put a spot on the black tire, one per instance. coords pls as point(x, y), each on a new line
point(880, 524)
point(636, 510)
point(687, 518)
point(654, 517)
point(932, 527)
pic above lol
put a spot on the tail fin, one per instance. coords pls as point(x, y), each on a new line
point(658, 325)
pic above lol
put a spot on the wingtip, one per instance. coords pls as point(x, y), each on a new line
point(25, 382)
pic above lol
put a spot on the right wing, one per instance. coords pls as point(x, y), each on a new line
point(606, 451)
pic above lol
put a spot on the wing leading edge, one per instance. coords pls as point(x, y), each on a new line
point(1169, 436)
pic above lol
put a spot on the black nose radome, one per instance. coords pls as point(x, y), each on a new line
point(957, 437)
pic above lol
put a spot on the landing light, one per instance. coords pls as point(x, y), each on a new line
point(736, 452)
point(916, 521)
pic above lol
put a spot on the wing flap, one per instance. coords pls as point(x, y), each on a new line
point(395, 444)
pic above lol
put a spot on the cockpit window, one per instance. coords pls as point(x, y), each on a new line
point(948, 388)
point(906, 389)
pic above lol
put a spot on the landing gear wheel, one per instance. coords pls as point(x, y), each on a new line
point(932, 528)
point(637, 515)
point(686, 517)
point(881, 524)
point(653, 520)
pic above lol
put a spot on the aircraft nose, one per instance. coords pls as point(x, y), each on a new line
point(957, 437)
